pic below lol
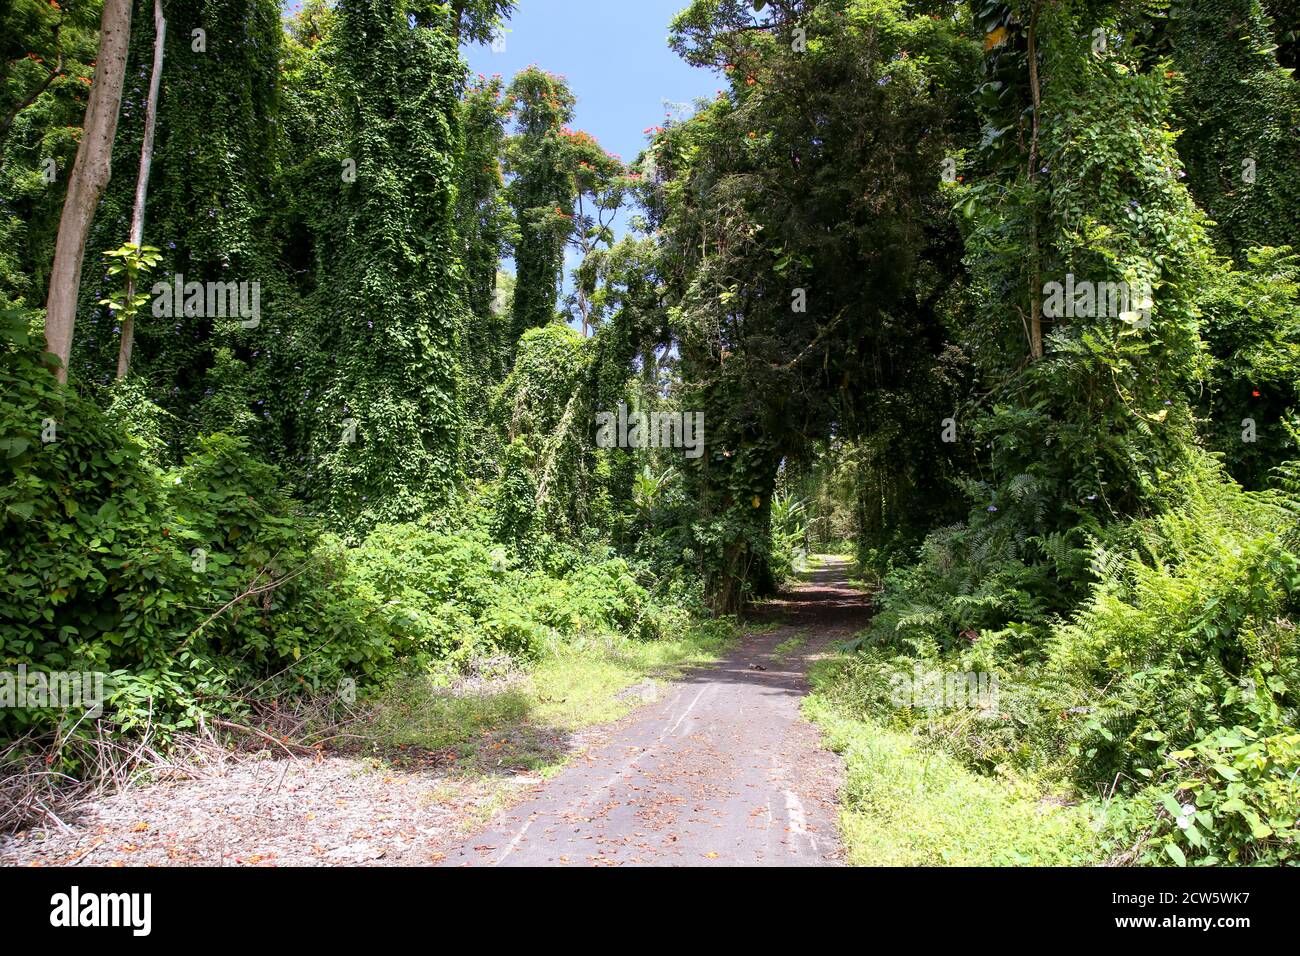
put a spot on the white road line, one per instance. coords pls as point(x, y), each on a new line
point(588, 797)
point(515, 842)
point(618, 775)
point(686, 713)
point(794, 810)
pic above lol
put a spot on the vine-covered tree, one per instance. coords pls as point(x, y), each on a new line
point(541, 192)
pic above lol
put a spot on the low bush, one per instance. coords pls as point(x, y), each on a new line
point(1233, 797)
point(1184, 631)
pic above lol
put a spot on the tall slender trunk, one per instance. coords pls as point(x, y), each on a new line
point(1035, 263)
point(142, 182)
point(90, 173)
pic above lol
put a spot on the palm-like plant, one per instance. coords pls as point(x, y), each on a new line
point(789, 525)
point(648, 488)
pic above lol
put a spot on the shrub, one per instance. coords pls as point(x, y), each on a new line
point(458, 594)
point(1176, 628)
point(182, 584)
point(1233, 797)
point(93, 578)
point(905, 805)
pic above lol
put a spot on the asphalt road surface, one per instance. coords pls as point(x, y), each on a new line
point(720, 769)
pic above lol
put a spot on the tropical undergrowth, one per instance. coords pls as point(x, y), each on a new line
point(1164, 704)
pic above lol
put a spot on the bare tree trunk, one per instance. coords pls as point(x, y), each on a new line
point(90, 173)
point(142, 182)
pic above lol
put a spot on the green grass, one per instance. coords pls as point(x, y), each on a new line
point(577, 686)
point(788, 647)
point(907, 805)
point(522, 722)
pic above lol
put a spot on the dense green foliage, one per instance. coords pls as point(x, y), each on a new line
point(541, 193)
point(1239, 110)
point(351, 173)
point(483, 224)
point(46, 52)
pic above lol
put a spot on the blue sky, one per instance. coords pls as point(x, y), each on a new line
point(615, 56)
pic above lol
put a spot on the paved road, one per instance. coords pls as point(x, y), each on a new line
point(721, 770)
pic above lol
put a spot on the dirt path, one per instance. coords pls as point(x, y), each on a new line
point(722, 770)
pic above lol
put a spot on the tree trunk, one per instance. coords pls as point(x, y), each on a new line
point(90, 172)
point(142, 182)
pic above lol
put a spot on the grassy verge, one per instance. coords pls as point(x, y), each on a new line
point(907, 805)
point(522, 720)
